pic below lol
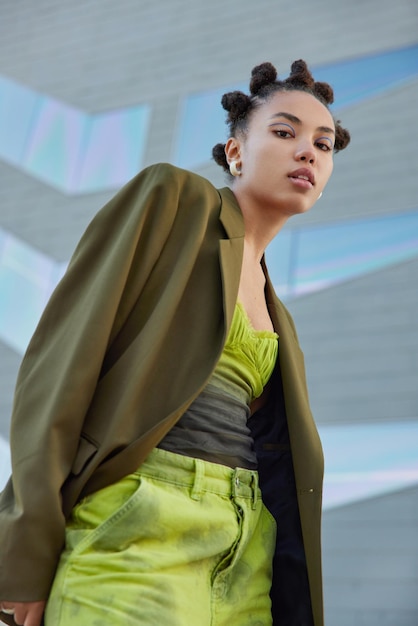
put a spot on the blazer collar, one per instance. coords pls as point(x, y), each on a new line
point(231, 215)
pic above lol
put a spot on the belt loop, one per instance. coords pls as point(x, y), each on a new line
point(254, 486)
point(199, 473)
point(235, 483)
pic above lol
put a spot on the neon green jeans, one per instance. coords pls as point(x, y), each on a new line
point(179, 542)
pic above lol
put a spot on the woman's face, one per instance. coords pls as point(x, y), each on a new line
point(286, 155)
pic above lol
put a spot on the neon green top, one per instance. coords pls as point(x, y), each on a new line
point(247, 360)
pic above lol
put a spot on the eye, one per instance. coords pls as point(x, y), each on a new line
point(324, 144)
point(283, 130)
point(283, 133)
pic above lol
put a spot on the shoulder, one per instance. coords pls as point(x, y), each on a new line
point(168, 174)
point(156, 194)
point(173, 191)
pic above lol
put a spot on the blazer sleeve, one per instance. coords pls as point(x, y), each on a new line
point(61, 367)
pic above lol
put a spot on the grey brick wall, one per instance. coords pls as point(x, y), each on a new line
point(360, 338)
point(361, 347)
point(371, 562)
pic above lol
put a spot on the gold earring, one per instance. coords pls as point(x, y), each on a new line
point(233, 168)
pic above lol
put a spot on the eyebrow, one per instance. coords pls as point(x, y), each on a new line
point(296, 120)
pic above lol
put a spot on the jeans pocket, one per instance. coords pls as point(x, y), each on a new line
point(94, 519)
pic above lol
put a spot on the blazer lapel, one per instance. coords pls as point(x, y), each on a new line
point(230, 250)
point(307, 450)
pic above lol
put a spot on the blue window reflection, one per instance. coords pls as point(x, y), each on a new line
point(67, 148)
point(303, 260)
point(27, 278)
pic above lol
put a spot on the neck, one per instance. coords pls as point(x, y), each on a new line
point(262, 224)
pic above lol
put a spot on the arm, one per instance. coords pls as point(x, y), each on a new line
point(60, 370)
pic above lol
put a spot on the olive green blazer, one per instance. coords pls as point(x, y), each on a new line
point(129, 338)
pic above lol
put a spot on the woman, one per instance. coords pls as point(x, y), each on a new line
point(154, 400)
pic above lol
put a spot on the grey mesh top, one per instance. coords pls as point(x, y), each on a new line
point(214, 427)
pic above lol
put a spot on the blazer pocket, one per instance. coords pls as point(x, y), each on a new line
point(86, 451)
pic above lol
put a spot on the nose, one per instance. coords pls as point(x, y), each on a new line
point(306, 153)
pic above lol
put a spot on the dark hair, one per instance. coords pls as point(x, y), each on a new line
point(263, 85)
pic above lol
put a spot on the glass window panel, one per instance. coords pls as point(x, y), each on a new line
point(57, 140)
point(385, 459)
point(202, 125)
point(17, 107)
point(114, 148)
point(23, 305)
point(5, 465)
point(279, 258)
point(27, 278)
point(335, 252)
point(357, 79)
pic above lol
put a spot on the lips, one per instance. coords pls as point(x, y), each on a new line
point(303, 173)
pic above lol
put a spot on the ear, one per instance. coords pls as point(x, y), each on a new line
point(233, 149)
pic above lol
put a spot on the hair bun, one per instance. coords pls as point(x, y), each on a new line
point(325, 91)
point(262, 75)
point(219, 156)
point(342, 137)
point(236, 103)
point(300, 75)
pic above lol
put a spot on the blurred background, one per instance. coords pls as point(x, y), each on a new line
point(91, 91)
